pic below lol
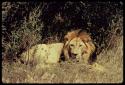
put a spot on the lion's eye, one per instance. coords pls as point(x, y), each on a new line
point(80, 45)
point(71, 45)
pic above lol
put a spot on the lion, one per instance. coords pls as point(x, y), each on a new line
point(43, 54)
point(35, 54)
point(79, 45)
point(55, 51)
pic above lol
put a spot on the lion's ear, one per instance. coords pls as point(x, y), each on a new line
point(66, 38)
point(69, 36)
point(85, 37)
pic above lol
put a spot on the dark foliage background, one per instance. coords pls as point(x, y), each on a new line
point(25, 24)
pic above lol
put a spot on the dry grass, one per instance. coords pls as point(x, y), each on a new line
point(33, 30)
point(66, 72)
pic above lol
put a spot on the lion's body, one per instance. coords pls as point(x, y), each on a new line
point(43, 53)
point(55, 51)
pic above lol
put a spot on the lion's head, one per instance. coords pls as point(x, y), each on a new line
point(79, 46)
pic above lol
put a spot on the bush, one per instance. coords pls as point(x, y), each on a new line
point(23, 37)
point(27, 23)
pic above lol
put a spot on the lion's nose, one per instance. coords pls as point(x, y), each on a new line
point(74, 55)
